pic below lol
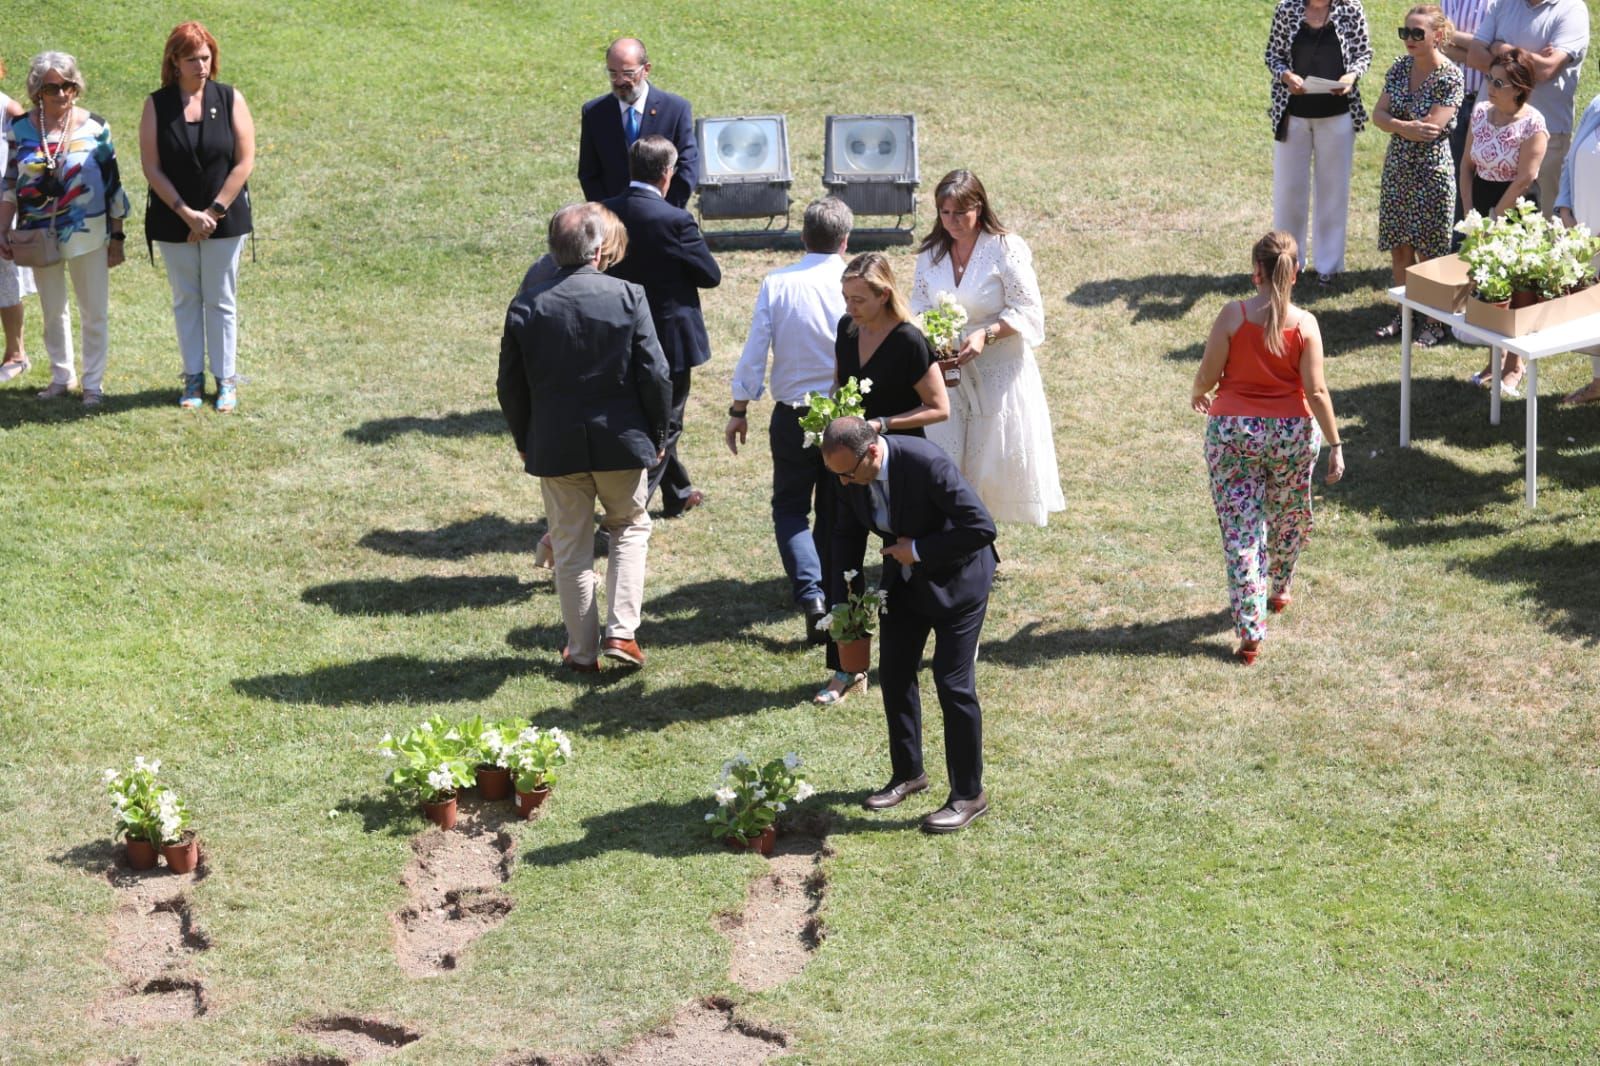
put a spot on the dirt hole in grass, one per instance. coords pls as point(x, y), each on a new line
point(153, 940)
point(778, 931)
point(166, 999)
point(359, 1039)
point(702, 1033)
point(454, 880)
point(310, 1060)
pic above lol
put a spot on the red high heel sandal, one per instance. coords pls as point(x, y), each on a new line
point(1278, 604)
point(1247, 651)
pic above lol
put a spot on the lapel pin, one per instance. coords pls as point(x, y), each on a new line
point(213, 112)
point(652, 110)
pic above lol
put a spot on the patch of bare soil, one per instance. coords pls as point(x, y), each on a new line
point(777, 932)
point(310, 1060)
point(454, 880)
point(702, 1034)
point(359, 1039)
point(164, 1000)
point(153, 941)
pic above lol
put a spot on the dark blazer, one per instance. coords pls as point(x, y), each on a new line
point(582, 381)
point(197, 173)
point(603, 147)
point(930, 502)
point(668, 256)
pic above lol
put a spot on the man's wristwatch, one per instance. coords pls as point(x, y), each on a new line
point(116, 236)
point(736, 412)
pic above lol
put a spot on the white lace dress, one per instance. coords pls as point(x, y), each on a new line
point(999, 430)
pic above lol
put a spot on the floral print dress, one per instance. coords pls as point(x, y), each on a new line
point(1416, 198)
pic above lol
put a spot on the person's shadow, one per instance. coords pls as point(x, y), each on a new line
point(21, 406)
point(486, 422)
point(1033, 645)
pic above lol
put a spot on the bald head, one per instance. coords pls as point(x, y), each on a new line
point(628, 67)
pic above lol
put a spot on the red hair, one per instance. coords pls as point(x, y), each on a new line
point(185, 40)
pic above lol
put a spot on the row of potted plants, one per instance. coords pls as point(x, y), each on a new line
point(1522, 257)
point(152, 818)
point(750, 798)
point(437, 759)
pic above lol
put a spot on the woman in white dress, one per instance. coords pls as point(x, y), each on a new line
point(999, 428)
point(15, 282)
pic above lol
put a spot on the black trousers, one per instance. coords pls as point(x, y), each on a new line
point(801, 488)
point(669, 475)
point(902, 636)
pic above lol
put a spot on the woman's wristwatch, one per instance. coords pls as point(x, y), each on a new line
point(116, 236)
point(991, 333)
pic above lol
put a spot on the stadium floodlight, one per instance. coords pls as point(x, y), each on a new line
point(745, 159)
point(870, 162)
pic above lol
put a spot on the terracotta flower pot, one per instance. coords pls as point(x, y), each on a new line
point(761, 845)
point(1524, 298)
point(494, 782)
point(183, 856)
point(441, 813)
point(855, 656)
point(529, 802)
point(141, 854)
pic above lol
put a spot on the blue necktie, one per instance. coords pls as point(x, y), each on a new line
point(880, 505)
point(631, 126)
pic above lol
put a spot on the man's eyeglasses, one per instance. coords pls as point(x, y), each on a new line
point(850, 475)
point(624, 75)
point(57, 88)
point(1412, 33)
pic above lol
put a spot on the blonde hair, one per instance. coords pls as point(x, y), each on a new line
point(1276, 256)
point(873, 268)
point(1442, 26)
point(614, 245)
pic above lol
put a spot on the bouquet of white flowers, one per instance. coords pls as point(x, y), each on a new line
point(820, 409)
point(941, 324)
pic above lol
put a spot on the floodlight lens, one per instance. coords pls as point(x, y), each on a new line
point(873, 147)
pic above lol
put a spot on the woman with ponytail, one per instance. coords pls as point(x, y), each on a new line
point(1269, 417)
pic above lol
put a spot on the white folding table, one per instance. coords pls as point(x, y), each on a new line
point(1567, 337)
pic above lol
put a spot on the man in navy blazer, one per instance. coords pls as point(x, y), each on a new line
point(938, 567)
point(607, 130)
point(585, 393)
point(668, 257)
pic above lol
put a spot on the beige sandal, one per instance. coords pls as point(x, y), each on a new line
point(1590, 393)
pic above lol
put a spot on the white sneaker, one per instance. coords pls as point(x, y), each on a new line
point(55, 389)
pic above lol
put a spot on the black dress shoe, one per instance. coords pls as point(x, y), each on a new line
point(816, 610)
point(956, 814)
point(892, 794)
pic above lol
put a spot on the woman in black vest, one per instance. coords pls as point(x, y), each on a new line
point(197, 143)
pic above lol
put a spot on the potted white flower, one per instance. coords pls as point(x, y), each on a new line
point(852, 623)
point(821, 409)
point(433, 767)
point(749, 801)
point(941, 324)
point(151, 816)
point(487, 748)
point(534, 758)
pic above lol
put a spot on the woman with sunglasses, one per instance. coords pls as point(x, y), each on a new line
point(63, 183)
point(197, 144)
point(15, 282)
point(1416, 201)
point(1316, 130)
point(1506, 142)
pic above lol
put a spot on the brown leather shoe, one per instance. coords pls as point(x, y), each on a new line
point(956, 814)
point(690, 502)
point(623, 651)
point(572, 664)
point(893, 794)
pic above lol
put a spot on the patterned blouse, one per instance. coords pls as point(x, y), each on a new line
point(1496, 149)
point(1349, 23)
point(77, 197)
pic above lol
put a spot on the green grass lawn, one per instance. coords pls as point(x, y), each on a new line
point(1379, 845)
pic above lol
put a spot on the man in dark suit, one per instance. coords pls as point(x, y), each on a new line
point(667, 255)
point(585, 392)
point(634, 108)
point(938, 567)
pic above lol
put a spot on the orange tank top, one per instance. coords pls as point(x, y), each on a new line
point(1257, 384)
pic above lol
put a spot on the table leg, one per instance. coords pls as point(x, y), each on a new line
point(1497, 359)
point(1405, 376)
point(1531, 391)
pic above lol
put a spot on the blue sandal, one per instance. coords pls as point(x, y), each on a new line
point(848, 683)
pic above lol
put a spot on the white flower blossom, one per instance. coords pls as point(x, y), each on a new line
point(529, 735)
point(825, 622)
point(426, 727)
point(803, 791)
point(725, 796)
point(791, 761)
point(851, 575)
point(760, 794)
point(712, 816)
point(109, 776)
point(441, 780)
point(782, 807)
point(333, 814)
point(866, 386)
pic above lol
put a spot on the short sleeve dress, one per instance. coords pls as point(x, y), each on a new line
point(15, 282)
point(900, 362)
point(1416, 197)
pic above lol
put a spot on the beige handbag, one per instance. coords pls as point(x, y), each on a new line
point(36, 247)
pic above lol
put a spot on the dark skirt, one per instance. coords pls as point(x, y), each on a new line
point(1486, 194)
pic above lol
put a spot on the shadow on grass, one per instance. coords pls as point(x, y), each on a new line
point(676, 830)
point(94, 857)
point(1563, 578)
point(22, 406)
point(720, 609)
point(393, 679)
point(617, 702)
point(484, 535)
point(384, 812)
point(486, 422)
point(1160, 297)
point(417, 595)
point(1033, 646)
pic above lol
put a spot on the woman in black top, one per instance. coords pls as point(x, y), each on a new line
point(197, 143)
point(878, 342)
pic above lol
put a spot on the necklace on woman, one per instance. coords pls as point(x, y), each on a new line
point(52, 160)
point(958, 267)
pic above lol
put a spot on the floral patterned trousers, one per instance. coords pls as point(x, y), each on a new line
point(1261, 484)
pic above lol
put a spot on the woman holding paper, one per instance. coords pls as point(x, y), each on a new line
point(1317, 51)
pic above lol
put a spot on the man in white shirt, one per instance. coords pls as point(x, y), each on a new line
point(797, 318)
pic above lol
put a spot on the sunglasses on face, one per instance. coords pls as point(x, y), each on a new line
point(57, 88)
point(1499, 83)
point(1412, 33)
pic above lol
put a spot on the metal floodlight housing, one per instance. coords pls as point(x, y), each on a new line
point(745, 159)
point(870, 162)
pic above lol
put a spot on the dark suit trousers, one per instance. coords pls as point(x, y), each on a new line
point(801, 487)
point(902, 636)
point(669, 475)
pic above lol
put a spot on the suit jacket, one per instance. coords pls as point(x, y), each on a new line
point(930, 502)
point(582, 380)
point(603, 147)
point(668, 256)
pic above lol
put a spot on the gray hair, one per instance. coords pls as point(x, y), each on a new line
point(828, 222)
point(848, 431)
point(650, 158)
point(575, 234)
point(58, 62)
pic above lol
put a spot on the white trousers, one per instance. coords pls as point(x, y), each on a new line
point(204, 276)
point(91, 284)
point(569, 508)
point(1326, 146)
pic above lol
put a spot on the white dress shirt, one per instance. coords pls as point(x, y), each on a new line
point(796, 317)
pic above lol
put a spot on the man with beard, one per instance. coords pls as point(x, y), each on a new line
point(634, 108)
